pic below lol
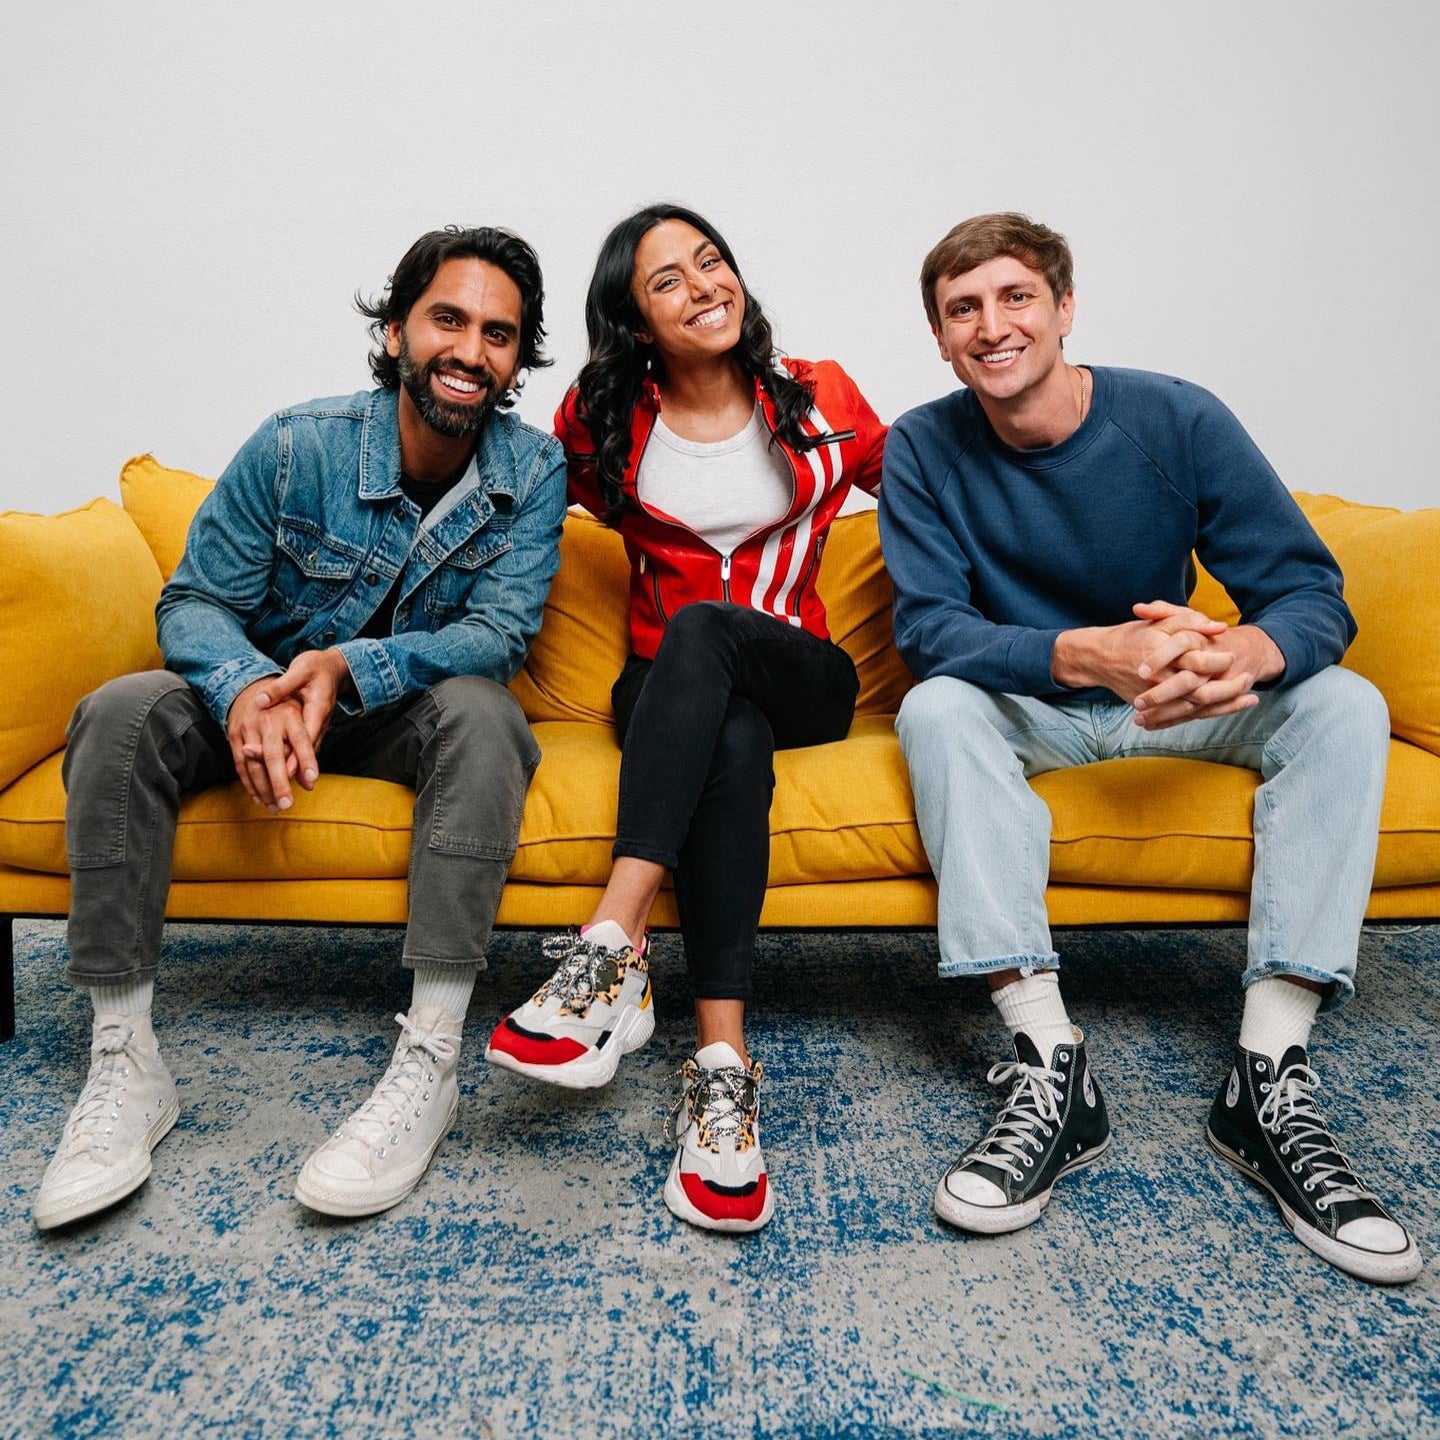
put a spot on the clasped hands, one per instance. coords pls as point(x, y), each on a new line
point(1171, 663)
point(275, 726)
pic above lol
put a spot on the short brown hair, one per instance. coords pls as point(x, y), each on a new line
point(986, 237)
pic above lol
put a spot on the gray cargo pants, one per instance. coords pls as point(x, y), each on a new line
point(142, 741)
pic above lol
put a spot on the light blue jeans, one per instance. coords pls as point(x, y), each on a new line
point(1320, 747)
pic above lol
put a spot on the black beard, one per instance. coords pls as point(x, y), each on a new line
point(452, 421)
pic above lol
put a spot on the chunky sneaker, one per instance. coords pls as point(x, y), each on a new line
point(595, 1008)
point(717, 1179)
point(376, 1158)
point(1270, 1130)
point(1053, 1122)
point(125, 1109)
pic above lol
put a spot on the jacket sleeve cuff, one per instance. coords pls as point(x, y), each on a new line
point(230, 679)
point(375, 678)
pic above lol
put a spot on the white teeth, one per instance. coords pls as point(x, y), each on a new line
point(454, 382)
point(709, 318)
point(996, 356)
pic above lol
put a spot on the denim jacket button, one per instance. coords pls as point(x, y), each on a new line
point(372, 578)
point(469, 552)
point(328, 637)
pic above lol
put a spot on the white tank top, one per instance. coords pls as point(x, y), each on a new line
point(723, 490)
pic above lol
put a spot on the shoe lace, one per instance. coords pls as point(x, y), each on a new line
point(403, 1088)
point(583, 970)
point(92, 1120)
point(1025, 1119)
point(1289, 1106)
point(722, 1101)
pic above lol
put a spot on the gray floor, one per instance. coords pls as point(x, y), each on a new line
point(535, 1285)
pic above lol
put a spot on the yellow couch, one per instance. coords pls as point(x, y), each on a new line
point(77, 594)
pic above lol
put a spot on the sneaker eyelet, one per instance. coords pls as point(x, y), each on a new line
point(1309, 1186)
point(425, 1095)
point(1295, 1168)
point(1064, 1057)
point(1027, 1162)
point(1265, 1087)
point(1260, 1066)
point(1322, 1205)
point(407, 1124)
point(381, 1152)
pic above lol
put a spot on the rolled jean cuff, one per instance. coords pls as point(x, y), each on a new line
point(126, 975)
point(1025, 964)
point(440, 962)
point(1340, 991)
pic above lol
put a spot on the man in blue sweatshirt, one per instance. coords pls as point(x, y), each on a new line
point(1038, 526)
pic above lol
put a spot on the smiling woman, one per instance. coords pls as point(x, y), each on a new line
point(722, 465)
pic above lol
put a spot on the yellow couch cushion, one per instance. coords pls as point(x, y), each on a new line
point(162, 502)
point(841, 813)
point(582, 642)
point(855, 587)
point(77, 608)
point(1391, 561)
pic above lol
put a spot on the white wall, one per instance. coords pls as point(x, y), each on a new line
point(193, 195)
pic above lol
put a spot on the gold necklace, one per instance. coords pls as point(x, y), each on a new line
point(1080, 399)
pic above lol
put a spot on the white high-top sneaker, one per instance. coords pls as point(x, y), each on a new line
point(376, 1158)
point(125, 1109)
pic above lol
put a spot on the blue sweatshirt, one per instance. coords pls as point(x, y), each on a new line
point(994, 551)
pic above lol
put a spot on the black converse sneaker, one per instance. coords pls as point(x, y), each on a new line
point(1270, 1130)
point(1053, 1122)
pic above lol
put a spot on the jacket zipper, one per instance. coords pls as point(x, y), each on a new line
point(794, 460)
point(661, 520)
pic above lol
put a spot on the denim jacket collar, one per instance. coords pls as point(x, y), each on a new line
point(380, 453)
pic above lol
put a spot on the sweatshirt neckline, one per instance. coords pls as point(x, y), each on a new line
point(1073, 444)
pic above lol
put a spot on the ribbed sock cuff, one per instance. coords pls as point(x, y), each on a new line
point(1278, 1014)
point(443, 987)
point(133, 997)
point(1033, 1004)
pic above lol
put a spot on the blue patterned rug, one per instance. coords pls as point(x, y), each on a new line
point(536, 1286)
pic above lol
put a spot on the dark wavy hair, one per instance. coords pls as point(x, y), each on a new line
point(611, 380)
point(501, 248)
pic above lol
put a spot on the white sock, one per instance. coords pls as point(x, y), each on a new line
point(1277, 1016)
point(130, 997)
point(609, 933)
point(1033, 1004)
point(444, 987)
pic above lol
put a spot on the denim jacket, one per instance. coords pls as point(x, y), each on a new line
point(305, 533)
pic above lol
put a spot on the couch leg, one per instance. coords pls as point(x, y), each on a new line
point(7, 979)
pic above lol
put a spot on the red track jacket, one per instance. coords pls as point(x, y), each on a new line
point(772, 570)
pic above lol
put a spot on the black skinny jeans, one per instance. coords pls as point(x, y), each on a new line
point(699, 725)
